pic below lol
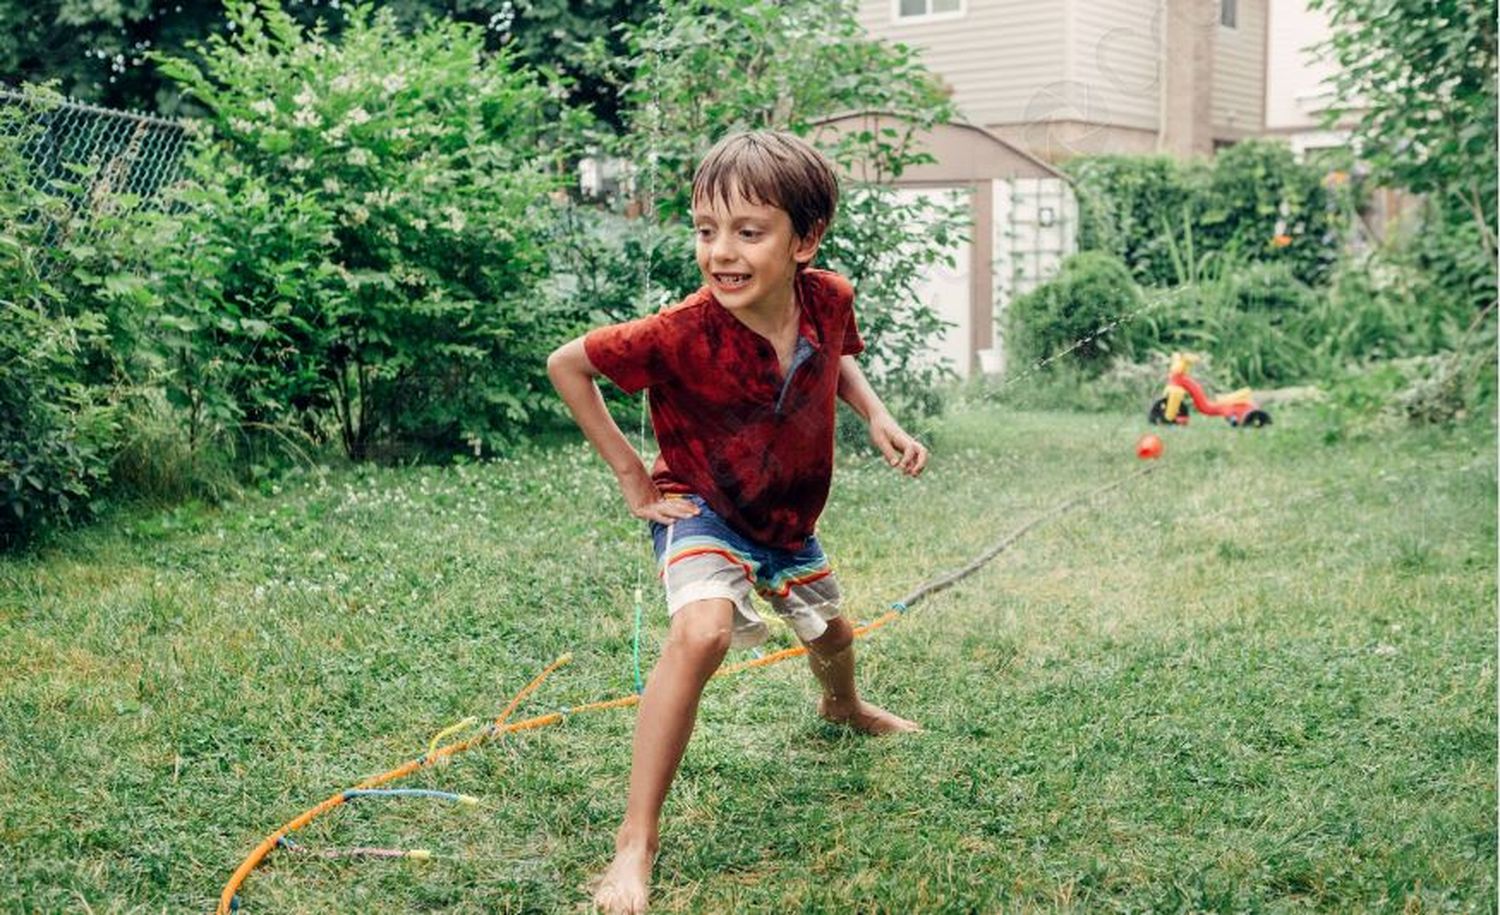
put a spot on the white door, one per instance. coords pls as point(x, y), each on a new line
point(946, 289)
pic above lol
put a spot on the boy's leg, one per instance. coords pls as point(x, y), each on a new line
point(831, 656)
point(697, 641)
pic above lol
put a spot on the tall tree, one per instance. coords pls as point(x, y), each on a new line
point(97, 51)
point(1420, 77)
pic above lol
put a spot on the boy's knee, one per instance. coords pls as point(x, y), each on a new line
point(703, 629)
point(838, 636)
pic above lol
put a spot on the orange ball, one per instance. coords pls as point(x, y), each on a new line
point(1148, 447)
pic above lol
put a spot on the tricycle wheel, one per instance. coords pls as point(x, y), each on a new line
point(1257, 418)
point(1158, 413)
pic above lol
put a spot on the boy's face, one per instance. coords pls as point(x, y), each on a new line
point(748, 252)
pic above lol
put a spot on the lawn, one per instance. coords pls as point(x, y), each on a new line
point(1261, 678)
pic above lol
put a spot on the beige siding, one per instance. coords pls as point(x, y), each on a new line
point(1239, 74)
point(1298, 79)
point(1115, 44)
point(1005, 59)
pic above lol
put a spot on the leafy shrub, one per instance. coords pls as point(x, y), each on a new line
point(1257, 203)
point(1268, 289)
point(1086, 311)
point(1379, 307)
point(56, 433)
point(1252, 203)
point(1431, 389)
point(1447, 249)
point(58, 428)
point(363, 234)
point(1243, 322)
point(1255, 349)
point(1130, 206)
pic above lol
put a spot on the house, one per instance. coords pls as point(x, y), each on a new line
point(1299, 87)
point(1071, 77)
point(1061, 78)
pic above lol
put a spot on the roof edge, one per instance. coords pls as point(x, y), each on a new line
point(958, 122)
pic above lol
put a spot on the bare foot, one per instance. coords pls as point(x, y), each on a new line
point(871, 719)
point(625, 884)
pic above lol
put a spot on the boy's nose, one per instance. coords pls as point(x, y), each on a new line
point(721, 250)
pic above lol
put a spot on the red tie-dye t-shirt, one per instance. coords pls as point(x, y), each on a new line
point(756, 446)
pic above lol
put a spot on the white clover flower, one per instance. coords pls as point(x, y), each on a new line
point(300, 164)
point(393, 83)
point(305, 98)
point(359, 156)
point(359, 116)
point(306, 117)
point(264, 107)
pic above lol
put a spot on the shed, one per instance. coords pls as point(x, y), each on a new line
point(1023, 222)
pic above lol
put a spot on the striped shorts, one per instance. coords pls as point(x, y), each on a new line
point(702, 557)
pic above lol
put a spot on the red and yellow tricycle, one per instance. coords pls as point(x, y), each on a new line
point(1238, 407)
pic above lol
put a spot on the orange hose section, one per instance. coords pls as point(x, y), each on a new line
point(226, 898)
point(496, 728)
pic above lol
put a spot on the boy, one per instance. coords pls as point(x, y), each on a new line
point(743, 376)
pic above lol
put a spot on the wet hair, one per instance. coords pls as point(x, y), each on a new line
point(771, 168)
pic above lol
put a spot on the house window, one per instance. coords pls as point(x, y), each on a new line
point(926, 10)
point(1229, 13)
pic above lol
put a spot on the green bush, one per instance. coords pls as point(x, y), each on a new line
point(1122, 386)
point(1255, 202)
point(56, 433)
point(1244, 321)
point(58, 426)
point(1433, 389)
point(1087, 312)
point(1129, 206)
point(1381, 307)
point(363, 235)
point(1268, 289)
point(1252, 203)
point(1447, 249)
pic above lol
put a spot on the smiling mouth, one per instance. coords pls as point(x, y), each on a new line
point(732, 280)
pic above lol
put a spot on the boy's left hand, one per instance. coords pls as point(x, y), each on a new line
point(901, 450)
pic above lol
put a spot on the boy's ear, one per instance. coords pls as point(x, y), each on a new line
point(807, 245)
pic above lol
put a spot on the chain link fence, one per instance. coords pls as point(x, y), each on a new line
point(84, 157)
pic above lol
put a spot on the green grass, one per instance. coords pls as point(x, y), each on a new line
point(1259, 679)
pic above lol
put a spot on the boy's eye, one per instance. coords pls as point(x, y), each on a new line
point(749, 233)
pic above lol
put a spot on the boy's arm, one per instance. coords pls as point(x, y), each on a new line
point(573, 375)
point(900, 450)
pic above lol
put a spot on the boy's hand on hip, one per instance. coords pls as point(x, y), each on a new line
point(901, 451)
point(647, 502)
